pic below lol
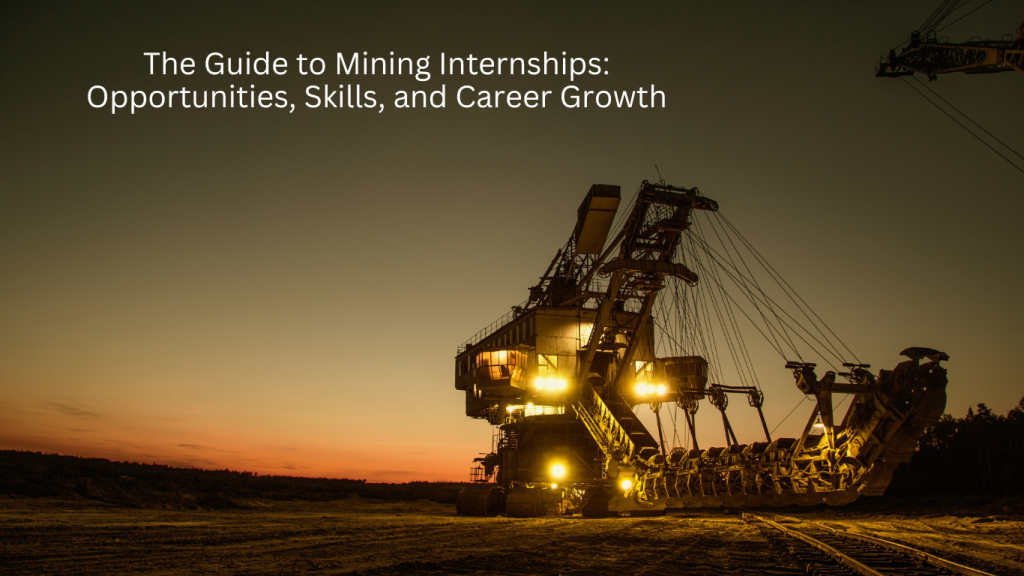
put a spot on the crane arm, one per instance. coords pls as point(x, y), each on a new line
point(931, 57)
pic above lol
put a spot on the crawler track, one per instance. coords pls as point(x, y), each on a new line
point(826, 550)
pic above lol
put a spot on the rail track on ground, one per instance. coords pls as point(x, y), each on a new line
point(825, 550)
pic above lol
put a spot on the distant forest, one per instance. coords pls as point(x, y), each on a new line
point(159, 486)
point(981, 454)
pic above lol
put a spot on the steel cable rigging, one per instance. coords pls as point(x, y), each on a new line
point(922, 29)
point(704, 319)
point(969, 131)
point(931, 56)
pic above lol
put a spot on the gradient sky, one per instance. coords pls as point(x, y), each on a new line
point(284, 293)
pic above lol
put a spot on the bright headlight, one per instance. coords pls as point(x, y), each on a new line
point(641, 389)
point(651, 389)
point(551, 384)
point(661, 389)
point(557, 471)
point(626, 484)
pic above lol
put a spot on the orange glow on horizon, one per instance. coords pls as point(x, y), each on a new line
point(77, 432)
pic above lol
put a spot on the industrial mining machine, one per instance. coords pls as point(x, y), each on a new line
point(562, 375)
point(931, 55)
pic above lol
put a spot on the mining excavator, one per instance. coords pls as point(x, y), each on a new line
point(644, 308)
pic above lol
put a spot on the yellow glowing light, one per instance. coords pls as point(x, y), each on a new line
point(661, 389)
point(529, 405)
point(626, 484)
point(641, 389)
point(558, 471)
point(651, 389)
point(553, 486)
point(510, 408)
point(551, 384)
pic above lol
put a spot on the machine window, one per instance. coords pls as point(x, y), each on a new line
point(644, 371)
point(502, 365)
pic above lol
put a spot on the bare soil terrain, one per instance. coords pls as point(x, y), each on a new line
point(365, 537)
point(360, 536)
point(68, 515)
point(991, 543)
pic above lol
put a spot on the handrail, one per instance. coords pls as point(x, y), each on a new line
point(492, 327)
point(606, 429)
point(596, 287)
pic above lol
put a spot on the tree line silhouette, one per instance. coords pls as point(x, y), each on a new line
point(155, 485)
point(981, 454)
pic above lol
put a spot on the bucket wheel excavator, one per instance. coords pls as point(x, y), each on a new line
point(643, 308)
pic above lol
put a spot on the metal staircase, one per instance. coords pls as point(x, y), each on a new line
point(614, 427)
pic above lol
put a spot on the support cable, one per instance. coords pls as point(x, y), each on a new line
point(741, 281)
point(700, 304)
point(741, 345)
point(726, 333)
point(940, 14)
point(827, 348)
point(802, 400)
point(991, 135)
point(989, 146)
point(964, 16)
point(756, 327)
point(771, 329)
point(778, 277)
point(747, 280)
point(827, 344)
point(983, 4)
point(756, 285)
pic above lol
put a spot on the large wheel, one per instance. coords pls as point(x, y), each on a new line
point(525, 503)
point(485, 500)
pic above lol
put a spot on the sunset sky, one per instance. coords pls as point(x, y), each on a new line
point(284, 292)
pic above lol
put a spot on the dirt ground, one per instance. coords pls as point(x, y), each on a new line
point(355, 536)
point(991, 543)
